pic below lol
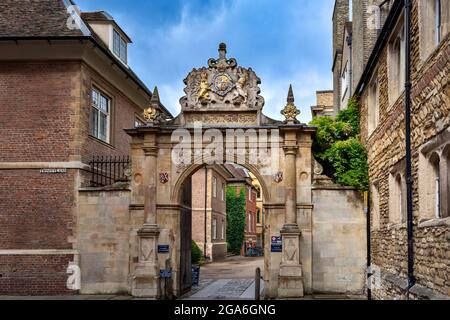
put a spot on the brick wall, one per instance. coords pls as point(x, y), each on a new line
point(122, 117)
point(386, 146)
point(36, 209)
point(36, 275)
point(37, 110)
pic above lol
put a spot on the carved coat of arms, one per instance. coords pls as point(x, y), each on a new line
point(222, 84)
point(278, 177)
point(164, 177)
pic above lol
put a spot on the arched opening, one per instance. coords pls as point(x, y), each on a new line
point(208, 222)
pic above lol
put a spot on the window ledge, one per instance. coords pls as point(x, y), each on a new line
point(102, 142)
point(396, 226)
point(437, 222)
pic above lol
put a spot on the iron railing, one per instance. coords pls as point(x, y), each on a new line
point(106, 171)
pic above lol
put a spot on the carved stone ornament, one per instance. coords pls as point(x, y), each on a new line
point(203, 92)
point(222, 83)
point(318, 169)
point(146, 249)
point(290, 111)
point(278, 177)
point(290, 253)
point(164, 177)
point(150, 114)
point(222, 86)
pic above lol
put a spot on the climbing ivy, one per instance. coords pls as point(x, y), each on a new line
point(235, 219)
point(338, 149)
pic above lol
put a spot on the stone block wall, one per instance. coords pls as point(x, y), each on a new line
point(339, 241)
point(386, 147)
point(104, 240)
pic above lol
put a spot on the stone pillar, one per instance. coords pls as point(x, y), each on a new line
point(146, 273)
point(290, 281)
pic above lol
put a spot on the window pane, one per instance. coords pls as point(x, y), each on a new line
point(94, 97)
point(103, 126)
point(123, 50)
point(94, 122)
point(104, 103)
point(116, 43)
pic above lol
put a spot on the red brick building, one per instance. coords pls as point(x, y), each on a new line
point(66, 94)
point(242, 179)
point(211, 180)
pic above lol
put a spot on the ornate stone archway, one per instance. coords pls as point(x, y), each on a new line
point(225, 99)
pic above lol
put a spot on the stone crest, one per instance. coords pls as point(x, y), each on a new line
point(223, 86)
point(222, 83)
point(278, 177)
point(164, 177)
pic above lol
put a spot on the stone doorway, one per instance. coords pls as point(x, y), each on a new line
point(222, 121)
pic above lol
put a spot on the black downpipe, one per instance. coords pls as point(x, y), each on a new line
point(369, 256)
point(409, 181)
point(206, 212)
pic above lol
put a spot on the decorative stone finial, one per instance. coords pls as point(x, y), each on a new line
point(222, 51)
point(222, 63)
point(155, 97)
point(290, 111)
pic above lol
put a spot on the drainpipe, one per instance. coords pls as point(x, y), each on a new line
point(206, 212)
point(369, 256)
point(409, 180)
point(350, 65)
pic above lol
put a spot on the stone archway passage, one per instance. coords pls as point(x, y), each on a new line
point(222, 120)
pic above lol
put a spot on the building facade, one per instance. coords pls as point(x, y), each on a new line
point(213, 181)
point(324, 106)
point(65, 96)
point(381, 90)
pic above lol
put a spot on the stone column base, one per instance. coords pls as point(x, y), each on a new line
point(146, 272)
point(290, 280)
point(146, 281)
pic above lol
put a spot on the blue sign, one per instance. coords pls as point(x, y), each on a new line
point(163, 248)
point(165, 273)
point(276, 244)
point(195, 275)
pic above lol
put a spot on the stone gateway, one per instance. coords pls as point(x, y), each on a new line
point(224, 96)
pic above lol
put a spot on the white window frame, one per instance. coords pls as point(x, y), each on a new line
point(120, 49)
point(396, 62)
point(96, 99)
point(373, 104)
point(344, 81)
point(223, 191)
point(249, 193)
point(214, 186)
point(214, 227)
point(223, 229)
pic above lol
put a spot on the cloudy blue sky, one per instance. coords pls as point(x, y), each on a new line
point(284, 41)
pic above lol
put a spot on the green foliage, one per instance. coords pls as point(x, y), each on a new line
point(337, 147)
point(235, 219)
point(348, 159)
point(196, 253)
point(351, 115)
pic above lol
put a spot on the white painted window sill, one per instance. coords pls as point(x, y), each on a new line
point(437, 222)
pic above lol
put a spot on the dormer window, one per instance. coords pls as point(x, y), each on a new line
point(119, 46)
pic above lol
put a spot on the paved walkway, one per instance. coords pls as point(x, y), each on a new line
point(232, 278)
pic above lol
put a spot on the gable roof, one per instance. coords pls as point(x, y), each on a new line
point(47, 20)
point(35, 18)
point(103, 16)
